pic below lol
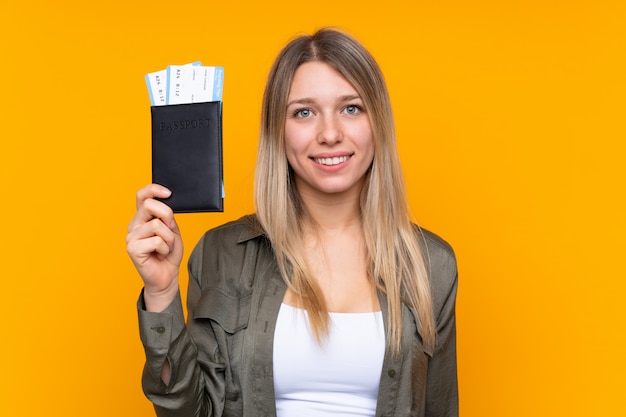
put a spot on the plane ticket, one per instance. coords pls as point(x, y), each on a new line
point(189, 83)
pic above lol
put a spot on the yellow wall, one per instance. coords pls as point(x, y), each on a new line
point(510, 118)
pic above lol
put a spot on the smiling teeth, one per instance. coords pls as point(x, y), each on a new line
point(331, 161)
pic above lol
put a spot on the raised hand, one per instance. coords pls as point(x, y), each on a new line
point(155, 247)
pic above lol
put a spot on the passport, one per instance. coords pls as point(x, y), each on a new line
point(187, 155)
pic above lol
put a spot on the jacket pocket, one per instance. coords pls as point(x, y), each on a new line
point(229, 312)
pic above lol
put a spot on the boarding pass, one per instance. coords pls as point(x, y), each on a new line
point(182, 84)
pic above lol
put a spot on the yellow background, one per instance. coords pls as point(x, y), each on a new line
point(510, 118)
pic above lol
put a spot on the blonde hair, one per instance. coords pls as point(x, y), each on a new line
point(396, 263)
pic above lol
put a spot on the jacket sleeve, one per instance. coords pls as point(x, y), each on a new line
point(442, 386)
point(196, 387)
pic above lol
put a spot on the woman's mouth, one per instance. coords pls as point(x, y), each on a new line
point(332, 161)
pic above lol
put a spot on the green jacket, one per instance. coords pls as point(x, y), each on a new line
point(222, 359)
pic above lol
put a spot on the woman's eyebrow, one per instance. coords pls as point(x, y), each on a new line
point(349, 97)
point(305, 100)
point(309, 100)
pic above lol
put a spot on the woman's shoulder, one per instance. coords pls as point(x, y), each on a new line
point(245, 228)
point(226, 240)
point(435, 244)
point(222, 252)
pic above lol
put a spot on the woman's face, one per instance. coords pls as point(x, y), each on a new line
point(328, 137)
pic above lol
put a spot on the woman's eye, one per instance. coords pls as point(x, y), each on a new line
point(352, 109)
point(302, 113)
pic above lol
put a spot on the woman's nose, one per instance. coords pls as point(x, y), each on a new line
point(330, 130)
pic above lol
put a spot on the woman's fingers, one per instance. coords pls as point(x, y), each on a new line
point(148, 209)
point(151, 191)
point(154, 235)
point(145, 248)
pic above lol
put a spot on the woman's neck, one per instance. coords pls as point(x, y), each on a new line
point(331, 211)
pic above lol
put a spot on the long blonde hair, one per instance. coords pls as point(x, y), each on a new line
point(396, 263)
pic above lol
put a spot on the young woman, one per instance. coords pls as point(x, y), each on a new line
point(327, 301)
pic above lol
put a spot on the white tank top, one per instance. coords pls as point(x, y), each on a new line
point(339, 378)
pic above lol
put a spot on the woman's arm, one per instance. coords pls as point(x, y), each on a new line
point(196, 384)
point(173, 379)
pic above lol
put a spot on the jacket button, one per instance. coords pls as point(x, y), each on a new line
point(391, 372)
point(160, 329)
